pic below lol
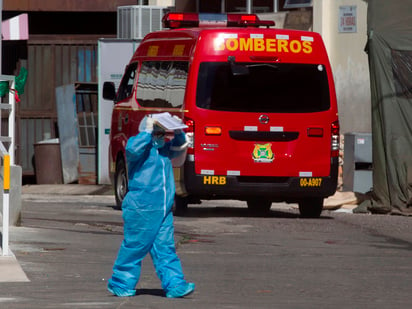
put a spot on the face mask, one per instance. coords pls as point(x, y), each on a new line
point(158, 137)
point(158, 141)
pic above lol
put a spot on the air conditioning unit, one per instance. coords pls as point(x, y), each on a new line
point(135, 21)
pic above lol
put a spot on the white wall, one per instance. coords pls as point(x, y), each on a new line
point(349, 62)
point(113, 56)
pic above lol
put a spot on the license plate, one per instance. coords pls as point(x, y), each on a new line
point(214, 180)
point(310, 182)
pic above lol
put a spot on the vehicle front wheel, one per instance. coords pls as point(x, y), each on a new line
point(120, 183)
point(311, 207)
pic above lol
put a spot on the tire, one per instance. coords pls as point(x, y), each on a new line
point(311, 207)
point(120, 183)
point(259, 205)
point(180, 206)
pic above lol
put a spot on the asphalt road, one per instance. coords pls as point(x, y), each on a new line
point(67, 246)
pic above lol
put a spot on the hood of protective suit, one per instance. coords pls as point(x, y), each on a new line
point(158, 134)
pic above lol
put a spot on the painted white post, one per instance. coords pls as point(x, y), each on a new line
point(7, 160)
point(6, 190)
point(12, 120)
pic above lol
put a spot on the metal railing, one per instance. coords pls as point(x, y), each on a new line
point(7, 158)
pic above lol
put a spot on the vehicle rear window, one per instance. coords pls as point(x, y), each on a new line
point(162, 83)
point(263, 87)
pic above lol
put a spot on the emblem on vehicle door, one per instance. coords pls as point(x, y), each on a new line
point(262, 153)
point(264, 119)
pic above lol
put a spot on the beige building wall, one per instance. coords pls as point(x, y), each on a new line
point(162, 2)
point(349, 62)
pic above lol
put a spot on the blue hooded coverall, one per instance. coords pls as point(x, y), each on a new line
point(147, 214)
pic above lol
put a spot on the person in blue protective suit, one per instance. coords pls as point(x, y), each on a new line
point(147, 213)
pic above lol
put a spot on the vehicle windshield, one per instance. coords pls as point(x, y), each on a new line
point(263, 87)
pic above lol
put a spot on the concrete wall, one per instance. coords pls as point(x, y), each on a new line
point(349, 62)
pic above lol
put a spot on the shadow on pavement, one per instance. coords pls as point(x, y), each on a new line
point(205, 212)
point(153, 292)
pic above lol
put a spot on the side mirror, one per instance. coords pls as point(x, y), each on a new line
point(109, 91)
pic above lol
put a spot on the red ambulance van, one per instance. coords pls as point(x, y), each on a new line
point(259, 103)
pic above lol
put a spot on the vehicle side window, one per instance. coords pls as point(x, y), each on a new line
point(126, 85)
point(175, 91)
point(162, 83)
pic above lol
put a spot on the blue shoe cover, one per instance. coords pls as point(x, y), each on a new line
point(119, 291)
point(181, 290)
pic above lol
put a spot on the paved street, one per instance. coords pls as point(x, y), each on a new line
point(67, 245)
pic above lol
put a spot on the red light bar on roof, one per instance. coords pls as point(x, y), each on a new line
point(248, 17)
point(176, 16)
point(188, 20)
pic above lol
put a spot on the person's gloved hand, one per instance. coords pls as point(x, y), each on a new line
point(177, 118)
point(189, 139)
point(178, 131)
point(149, 124)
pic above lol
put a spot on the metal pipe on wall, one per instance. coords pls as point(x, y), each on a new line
point(249, 6)
point(275, 6)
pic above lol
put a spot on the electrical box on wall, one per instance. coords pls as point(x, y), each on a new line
point(357, 162)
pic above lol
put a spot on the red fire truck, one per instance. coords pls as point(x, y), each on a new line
point(259, 102)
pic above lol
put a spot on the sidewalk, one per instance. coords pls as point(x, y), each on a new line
point(10, 269)
point(68, 189)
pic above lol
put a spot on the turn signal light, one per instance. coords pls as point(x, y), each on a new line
point(213, 130)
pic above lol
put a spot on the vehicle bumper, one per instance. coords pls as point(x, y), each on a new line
point(290, 189)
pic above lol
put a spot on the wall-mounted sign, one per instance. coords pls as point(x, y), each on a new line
point(347, 19)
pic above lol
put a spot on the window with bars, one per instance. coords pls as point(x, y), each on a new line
point(86, 104)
